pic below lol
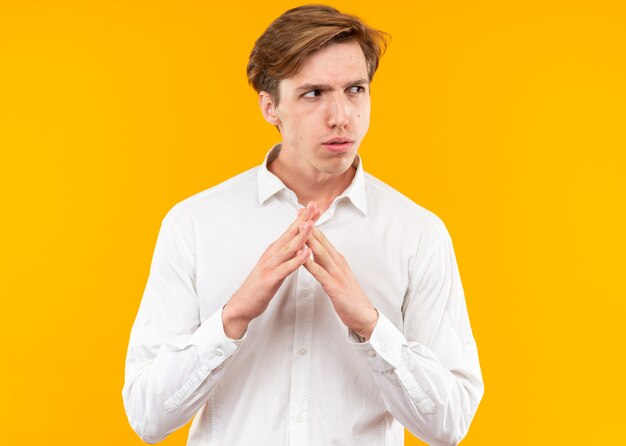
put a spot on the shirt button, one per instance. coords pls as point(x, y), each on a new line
point(218, 352)
point(372, 353)
point(300, 418)
point(302, 351)
point(306, 293)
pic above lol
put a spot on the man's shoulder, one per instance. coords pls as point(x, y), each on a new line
point(398, 206)
point(225, 194)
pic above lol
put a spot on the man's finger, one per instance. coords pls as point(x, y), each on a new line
point(320, 274)
point(286, 268)
point(332, 251)
point(289, 249)
point(310, 212)
point(322, 256)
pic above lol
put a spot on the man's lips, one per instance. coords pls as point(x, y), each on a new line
point(338, 145)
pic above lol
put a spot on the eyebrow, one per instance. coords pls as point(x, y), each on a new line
point(310, 87)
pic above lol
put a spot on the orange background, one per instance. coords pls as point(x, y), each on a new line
point(504, 118)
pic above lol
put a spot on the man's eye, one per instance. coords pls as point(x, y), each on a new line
point(312, 93)
point(357, 89)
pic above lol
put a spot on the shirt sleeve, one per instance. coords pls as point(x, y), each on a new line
point(174, 359)
point(428, 370)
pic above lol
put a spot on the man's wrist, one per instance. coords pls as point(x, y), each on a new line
point(234, 325)
point(366, 333)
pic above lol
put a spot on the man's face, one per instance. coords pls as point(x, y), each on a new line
point(324, 110)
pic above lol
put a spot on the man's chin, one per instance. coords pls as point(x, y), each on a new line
point(337, 166)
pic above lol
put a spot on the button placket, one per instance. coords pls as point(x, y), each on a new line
point(300, 370)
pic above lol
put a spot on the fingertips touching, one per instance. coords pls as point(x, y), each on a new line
point(316, 214)
point(314, 210)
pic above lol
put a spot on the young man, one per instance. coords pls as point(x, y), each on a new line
point(304, 302)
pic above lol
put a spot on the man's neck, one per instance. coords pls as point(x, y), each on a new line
point(309, 184)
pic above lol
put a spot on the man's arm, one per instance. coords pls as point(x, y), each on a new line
point(174, 359)
point(428, 374)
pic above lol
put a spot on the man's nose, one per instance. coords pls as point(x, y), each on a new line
point(339, 113)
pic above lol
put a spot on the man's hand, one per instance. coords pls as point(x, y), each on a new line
point(280, 259)
point(332, 271)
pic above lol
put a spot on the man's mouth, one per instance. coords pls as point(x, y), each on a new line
point(338, 145)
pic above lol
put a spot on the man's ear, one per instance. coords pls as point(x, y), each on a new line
point(268, 108)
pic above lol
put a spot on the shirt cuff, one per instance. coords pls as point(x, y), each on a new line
point(383, 351)
point(212, 344)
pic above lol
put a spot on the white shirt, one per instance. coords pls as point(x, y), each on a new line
point(299, 377)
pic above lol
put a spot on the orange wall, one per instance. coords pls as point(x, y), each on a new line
point(504, 118)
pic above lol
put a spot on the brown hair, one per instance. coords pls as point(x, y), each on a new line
point(291, 38)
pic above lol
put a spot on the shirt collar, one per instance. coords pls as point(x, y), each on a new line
point(269, 184)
